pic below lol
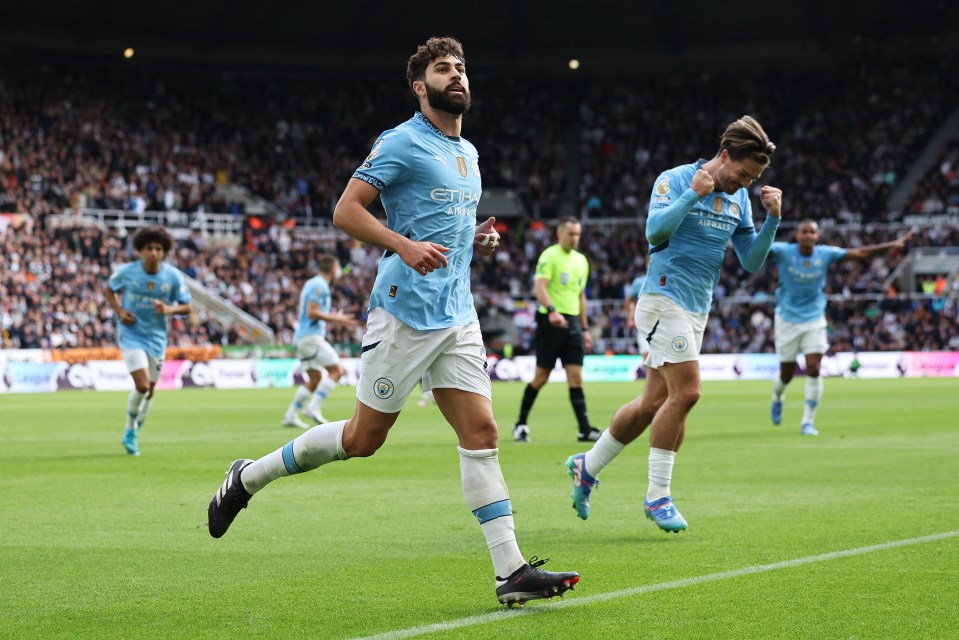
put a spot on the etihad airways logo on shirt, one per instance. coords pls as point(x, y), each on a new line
point(458, 196)
point(463, 203)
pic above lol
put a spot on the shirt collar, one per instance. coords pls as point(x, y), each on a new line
point(432, 127)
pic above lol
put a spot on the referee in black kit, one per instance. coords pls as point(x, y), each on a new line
point(562, 329)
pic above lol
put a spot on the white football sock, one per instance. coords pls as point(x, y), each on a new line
point(488, 498)
point(602, 453)
point(779, 387)
point(660, 473)
point(318, 446)
point(300, 399)
point(144, 411)
point(322, 391)
point(133, 408)
point(813, 396)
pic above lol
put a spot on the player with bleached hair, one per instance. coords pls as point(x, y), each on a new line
point(800, 323)
point(142, 294)
point(422, 323)
point(695, 210)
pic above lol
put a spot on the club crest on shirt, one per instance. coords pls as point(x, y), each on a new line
point(718, 204)
point(735, 210)
point(165, 287)
point(461, 165)
point(476, 167)
point(663, 187)
point(375, 151)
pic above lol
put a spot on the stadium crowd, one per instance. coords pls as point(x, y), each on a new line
point(51, 288)
point(166, 138)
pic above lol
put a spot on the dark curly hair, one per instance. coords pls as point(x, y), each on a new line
point(146, 235)
point(745, 138)
point(426, 53)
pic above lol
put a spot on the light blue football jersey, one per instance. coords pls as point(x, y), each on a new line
point(317, 290)
point(800, 294)
point(636, 286)
point(140, 289)
point(685, 267)
point(430, 186)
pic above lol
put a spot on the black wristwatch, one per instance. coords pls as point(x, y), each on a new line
point(550, 309)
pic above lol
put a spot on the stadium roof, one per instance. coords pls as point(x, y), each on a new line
point(496, 33)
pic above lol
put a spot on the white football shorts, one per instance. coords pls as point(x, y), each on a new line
point(136, 359)
point(314, 352)
point(674, 334)
point(396, 357)
point(804, 337)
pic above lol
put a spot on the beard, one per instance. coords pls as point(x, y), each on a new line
point(452, 103)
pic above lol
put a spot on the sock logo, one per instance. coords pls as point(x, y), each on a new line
point(383, 388)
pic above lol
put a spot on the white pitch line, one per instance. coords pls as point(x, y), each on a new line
point(508, 614)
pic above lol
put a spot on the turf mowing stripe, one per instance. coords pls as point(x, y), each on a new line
point(506, 614)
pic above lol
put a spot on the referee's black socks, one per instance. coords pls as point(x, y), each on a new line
point(578, 400)
point(529, 397)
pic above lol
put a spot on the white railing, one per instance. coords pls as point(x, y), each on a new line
point(178, 223)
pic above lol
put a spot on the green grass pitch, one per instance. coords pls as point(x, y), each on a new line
point(96, 544)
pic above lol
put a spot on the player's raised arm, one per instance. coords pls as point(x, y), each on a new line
point(668, 209)
point(751, 247)
point(864, 253)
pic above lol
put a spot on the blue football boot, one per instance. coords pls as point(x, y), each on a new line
point(664, 514)
point(583, 483)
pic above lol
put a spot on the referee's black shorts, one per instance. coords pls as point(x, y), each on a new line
point(557, 342)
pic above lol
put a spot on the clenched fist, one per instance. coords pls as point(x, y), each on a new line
point(703, 183)
point(772, 199)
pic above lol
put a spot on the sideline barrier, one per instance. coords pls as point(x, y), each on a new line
point(44, 371)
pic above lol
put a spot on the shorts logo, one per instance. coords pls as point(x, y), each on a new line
point(383, 388)
point(680, 343)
